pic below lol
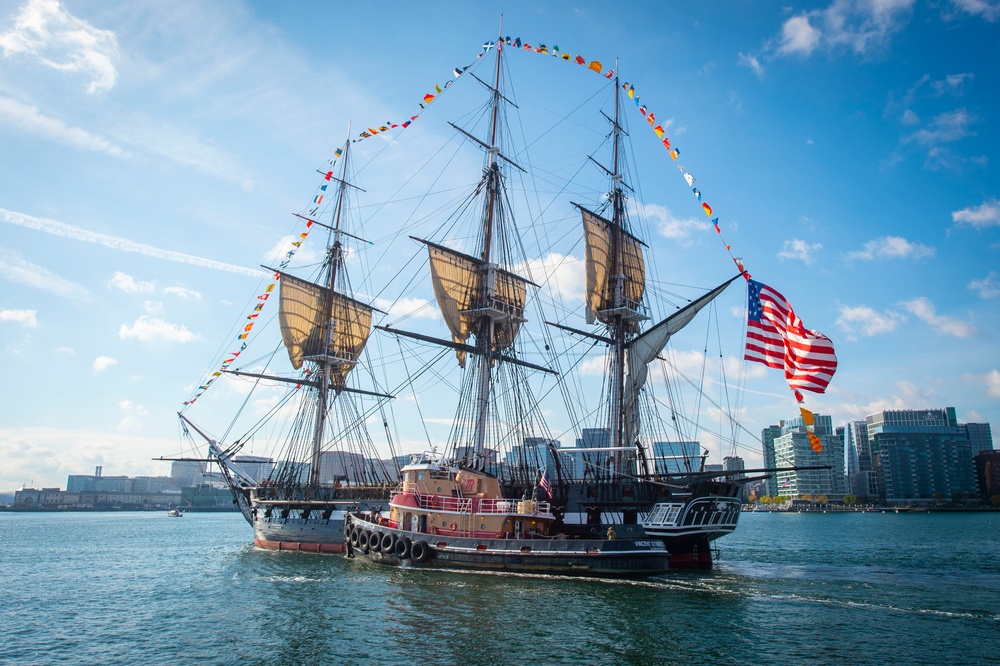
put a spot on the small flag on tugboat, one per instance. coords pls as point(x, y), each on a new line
point(546, 483)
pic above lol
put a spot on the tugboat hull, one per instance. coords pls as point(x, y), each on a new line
point(635, 556)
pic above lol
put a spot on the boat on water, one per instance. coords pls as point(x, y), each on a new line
point(443, 515)
point(614, 503)
point(175, 513)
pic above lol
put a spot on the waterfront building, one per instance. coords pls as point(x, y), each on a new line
point(980, 437)
point(541, 448)
point(736, 464)
point(186, 473)
point(255, 467)
point(988, 474)
point(676, 457)
point(767, 437)
point(920, 455)
point(792, 448)
point(863, 482)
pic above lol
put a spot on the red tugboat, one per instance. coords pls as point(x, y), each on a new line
point(452, 517)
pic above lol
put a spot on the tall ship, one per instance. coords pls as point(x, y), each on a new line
point(624, 474)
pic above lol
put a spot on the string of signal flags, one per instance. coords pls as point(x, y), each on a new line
point(776, 337)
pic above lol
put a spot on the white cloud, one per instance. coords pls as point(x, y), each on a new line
point(799, 36)
point(132, 415)
point(59, 40)
point(858, 26)
point(923, 309)
point(404, 308)
point(988, 10)
point(153, 307)
point(985, 215)
point(992, 380)
point(147, 329)
point(182, 292)
point(182, 147)
point(951, 84)
point(69, 231)
point(130, 285)
point(988, 287)
point(945, 127)
point(23, 317)
point(308, 253)
point(863, 320)
point(799, 250)
point(675, 228)
point(31, 120)
point(593, 367)
point(47, 455)
point(753, 63)
point(892, 247)
point(102, 363)
point(66, 350)
point(15, 268)
point(563, 274)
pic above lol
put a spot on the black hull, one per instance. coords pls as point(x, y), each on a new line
point(689, 513)
point(636, 556)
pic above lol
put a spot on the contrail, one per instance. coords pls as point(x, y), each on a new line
point(69, 231)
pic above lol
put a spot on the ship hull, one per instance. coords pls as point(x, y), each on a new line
point(632, 556)
point(290, 521)
point(687, 522)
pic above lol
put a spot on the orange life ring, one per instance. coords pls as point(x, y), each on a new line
point(453, 526)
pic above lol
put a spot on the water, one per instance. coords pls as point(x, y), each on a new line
point(850, 588)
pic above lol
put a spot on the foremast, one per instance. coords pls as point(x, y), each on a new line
point(322, 324)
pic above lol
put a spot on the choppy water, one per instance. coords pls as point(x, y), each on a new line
point(138, 588)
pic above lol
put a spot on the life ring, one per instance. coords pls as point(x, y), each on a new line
point(402, 549)
point(420, 552)
point(388, 544)
point(363, 541)
point(453, 526)
point(375, 542)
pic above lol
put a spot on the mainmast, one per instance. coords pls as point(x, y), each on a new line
point(487, 323)
point(618, 325)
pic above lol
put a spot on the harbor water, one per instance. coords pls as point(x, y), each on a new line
point(809, 588)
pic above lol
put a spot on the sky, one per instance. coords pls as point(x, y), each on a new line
point(153, 154)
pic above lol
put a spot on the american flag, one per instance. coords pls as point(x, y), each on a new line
point(546, 483)
point(777, 338)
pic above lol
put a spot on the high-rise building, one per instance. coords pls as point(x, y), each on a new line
point(676, 457)
point(735, 464)
point(861, 476)
point(920, 455)
point(792, 448)
point(187, 473)
point(980, 437)
point(767, 437)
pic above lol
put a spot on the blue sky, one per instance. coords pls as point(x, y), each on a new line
point(152, 155)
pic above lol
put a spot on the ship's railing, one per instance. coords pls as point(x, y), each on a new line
point(490, 506)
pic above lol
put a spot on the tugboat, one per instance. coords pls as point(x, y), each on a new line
point(447, 516)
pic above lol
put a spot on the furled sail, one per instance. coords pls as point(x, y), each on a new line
point(644, 349)
point(630, 279)
point(458, 287)
point(302, 312)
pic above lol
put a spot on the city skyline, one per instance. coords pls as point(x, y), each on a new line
point(155, 155)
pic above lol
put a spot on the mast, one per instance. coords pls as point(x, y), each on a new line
point(486, 325)
point(334, 261)
point(617, 272)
